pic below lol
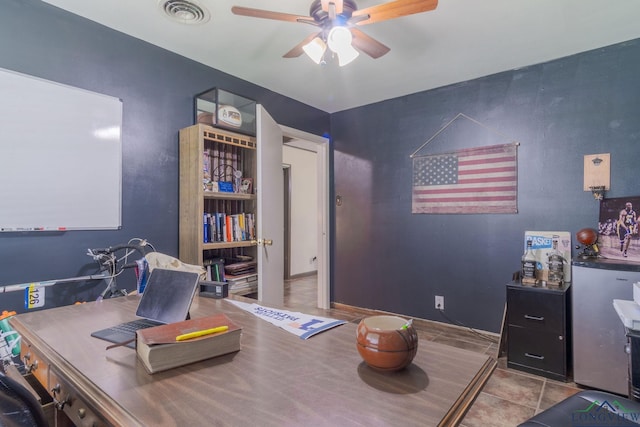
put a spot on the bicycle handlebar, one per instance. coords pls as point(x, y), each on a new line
point(112, 249)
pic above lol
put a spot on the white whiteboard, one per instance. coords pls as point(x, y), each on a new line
point(60, 156)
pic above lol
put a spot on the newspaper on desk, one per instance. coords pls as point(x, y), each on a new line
point(303, 325)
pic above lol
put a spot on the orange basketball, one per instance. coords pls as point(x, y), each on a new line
point(587, 236)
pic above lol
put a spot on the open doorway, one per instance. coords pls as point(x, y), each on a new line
point(320, 147)
point(300, 213)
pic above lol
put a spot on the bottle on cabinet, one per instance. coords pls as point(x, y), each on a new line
point(529, 270)
point(555, 263)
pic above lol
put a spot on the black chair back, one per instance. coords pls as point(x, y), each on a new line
point(18, 406)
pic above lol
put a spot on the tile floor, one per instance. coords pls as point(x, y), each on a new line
point(509, 397)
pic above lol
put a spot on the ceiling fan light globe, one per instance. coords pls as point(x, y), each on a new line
point(315, 49)
point(339, 39)
point(346, 56)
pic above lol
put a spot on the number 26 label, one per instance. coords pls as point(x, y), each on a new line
point(34, 297)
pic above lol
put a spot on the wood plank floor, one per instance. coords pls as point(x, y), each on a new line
point(509, 397)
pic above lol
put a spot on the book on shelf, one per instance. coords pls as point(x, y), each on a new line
point(215, 269)
point(205, 228)
point(244, 288)
point(158, 349)
point(241, 278)
point(240, 268)
point(220, 219)
point(227, 227)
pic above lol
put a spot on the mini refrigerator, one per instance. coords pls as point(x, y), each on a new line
point(598, 335)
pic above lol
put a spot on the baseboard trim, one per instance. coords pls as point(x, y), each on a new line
point(302, 275)
point(423, 322)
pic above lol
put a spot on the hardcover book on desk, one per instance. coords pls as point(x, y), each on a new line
point(158, 349)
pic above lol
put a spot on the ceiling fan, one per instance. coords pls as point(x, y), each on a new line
point(337, 21)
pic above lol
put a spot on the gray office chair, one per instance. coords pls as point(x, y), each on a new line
point(18, 406)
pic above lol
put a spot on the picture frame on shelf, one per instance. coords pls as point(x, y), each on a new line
point(225, 186)
point(211, 187)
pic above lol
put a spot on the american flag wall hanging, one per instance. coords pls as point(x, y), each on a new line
point(468, 181)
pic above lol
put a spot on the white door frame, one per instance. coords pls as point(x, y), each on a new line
point(319, 145)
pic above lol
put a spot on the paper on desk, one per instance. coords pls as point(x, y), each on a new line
point(300, 324)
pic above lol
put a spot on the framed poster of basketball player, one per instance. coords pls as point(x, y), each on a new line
point(618, 236)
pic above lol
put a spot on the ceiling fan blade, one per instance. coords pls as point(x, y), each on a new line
point(392, 9)
point(267, 14)
point(337, 3)
point(368, 44)
point(297, 50)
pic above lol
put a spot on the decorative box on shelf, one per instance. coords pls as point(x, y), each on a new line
point(214, 289)
point(219, 108)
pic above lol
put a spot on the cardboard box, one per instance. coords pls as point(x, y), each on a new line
point(542, 243)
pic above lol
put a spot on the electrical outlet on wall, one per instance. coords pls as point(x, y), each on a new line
point(439, 302)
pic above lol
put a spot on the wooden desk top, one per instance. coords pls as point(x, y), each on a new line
point(276, 379)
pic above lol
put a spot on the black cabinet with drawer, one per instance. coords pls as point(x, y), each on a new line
point(538, 337)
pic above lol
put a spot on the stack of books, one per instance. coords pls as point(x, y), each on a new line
point(242, 277)
point(238, 268)
point(243, 284)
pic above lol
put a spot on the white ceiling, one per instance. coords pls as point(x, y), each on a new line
point(458, 41)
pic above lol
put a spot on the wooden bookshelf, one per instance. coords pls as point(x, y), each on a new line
point(198, 142)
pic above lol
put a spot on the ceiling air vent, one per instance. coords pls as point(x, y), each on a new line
point(184, 11)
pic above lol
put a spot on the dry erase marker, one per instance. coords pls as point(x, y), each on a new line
point(201, 333)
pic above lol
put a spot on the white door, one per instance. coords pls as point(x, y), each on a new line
point(270, 219)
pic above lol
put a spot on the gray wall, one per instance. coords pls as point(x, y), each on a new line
point(386, 258)
point(157, 89)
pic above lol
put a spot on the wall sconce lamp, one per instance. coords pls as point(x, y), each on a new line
point(597, 174)
point(339, 42)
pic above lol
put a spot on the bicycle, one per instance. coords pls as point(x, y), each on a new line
point(108, 268)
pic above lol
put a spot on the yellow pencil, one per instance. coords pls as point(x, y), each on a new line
point(201, 333)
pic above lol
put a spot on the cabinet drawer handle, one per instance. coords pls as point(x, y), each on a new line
point(534, 356)
point(538, 318)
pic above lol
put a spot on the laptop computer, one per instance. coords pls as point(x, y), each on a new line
point(166, 299)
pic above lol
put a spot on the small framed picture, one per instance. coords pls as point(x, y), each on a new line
point(211, 186)
point(246, 186)
point(225, 186)
point(618, 237)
